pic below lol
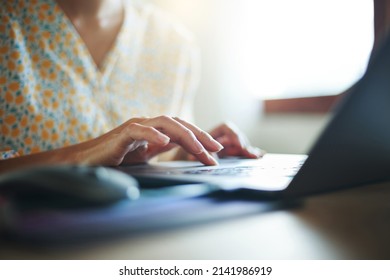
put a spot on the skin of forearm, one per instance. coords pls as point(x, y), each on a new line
point(67, 155)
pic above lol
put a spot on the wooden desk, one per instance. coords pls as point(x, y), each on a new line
point(350, 224)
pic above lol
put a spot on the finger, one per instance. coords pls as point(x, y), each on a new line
point(206, 158)
point(126, 124)
point(177, 132)
point(231, 141)
point(226, 128)
point(143, 147)
point(252, 152)
point(208, 142)
point(231, 133)
point(154, 150)
point(181, 135)
point(237, 146)
point(135, 135)
point(145, 153)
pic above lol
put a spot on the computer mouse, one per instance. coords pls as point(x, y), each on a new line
point(66, 186)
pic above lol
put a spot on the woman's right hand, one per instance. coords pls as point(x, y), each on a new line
point(136, 141)
point(140, 139)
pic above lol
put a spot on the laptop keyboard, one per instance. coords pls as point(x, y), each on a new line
point(245, 171)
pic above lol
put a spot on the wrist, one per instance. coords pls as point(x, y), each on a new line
point(74, 154)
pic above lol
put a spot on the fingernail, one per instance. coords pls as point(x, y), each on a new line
point(216, 145)
point(164, 139)
point(212, 159)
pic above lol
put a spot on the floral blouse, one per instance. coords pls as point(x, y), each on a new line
point(52, 94)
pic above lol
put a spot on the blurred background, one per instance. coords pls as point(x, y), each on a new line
point(256, 50)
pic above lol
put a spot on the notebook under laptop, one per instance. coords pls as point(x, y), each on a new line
point(353, 149)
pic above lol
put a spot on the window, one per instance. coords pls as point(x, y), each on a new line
point(301, 48)
point(277, 50)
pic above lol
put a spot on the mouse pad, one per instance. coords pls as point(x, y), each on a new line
point(124, 218)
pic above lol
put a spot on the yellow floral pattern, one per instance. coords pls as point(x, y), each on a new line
point(53, 95)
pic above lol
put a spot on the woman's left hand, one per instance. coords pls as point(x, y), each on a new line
point(234, 142)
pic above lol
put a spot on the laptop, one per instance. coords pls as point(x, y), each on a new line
point(352, 150)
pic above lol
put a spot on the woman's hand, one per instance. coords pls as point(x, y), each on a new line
point(140, 139)
point(235, 143)
point(135, 141)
